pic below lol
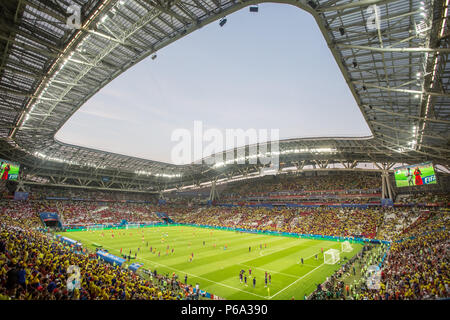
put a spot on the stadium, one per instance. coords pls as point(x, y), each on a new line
point(323, 217)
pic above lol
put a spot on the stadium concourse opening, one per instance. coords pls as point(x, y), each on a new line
point(327, 218)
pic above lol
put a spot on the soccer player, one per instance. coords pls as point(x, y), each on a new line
point(245, 279)
point(302, 260)
point(265, 282)
point(410, 177)
point(270, 279)
point(185, 279)
point(254, 282)
point(249, 249)
point(250, 271)
point(240, 276)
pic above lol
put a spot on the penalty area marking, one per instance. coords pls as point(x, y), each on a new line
point(228, 286)
point(193, 275)
point(296, 281)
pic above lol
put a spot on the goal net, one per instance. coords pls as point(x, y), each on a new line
point(346, 247)
point(331, 256)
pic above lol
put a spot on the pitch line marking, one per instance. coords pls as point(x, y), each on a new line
point(296, 281)
point(193, 275)
point(270, 271)
point(231, 287)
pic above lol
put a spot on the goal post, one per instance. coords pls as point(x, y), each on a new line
point(346, 247)
point(331, 256)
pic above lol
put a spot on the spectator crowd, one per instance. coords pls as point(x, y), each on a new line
point(414, 266)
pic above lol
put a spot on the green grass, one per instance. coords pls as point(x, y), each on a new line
point(13, 171)
point(401, 180)
point(217, 270)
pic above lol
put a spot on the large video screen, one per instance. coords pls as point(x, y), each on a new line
point(9, 170)
point(415, 175)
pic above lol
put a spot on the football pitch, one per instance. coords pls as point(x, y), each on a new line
point(401, 179)
point(216, 268)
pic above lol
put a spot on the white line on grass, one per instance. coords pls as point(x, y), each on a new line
point(273, 250)
point(231, 287)
point(270, 271)
point(308, 258)
point(296, 281)
point(193, 275)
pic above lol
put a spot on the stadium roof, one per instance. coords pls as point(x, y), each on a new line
point(396, 68)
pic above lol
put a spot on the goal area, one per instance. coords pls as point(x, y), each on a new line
point(331, 256)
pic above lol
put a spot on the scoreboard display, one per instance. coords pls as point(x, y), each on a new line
point(415, 175)
point(9, 170)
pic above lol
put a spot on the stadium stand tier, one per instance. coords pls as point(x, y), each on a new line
point(412, 256)
point(78, 223)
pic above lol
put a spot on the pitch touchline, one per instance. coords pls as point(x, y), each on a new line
point(193, 275)
point(230, 287)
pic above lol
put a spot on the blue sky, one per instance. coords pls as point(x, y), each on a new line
point(265, 70)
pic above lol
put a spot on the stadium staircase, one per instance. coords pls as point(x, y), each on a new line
point(417, 222)
point(60, 208)
point(50, 219)
point(164, 217)
point(100, 209)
